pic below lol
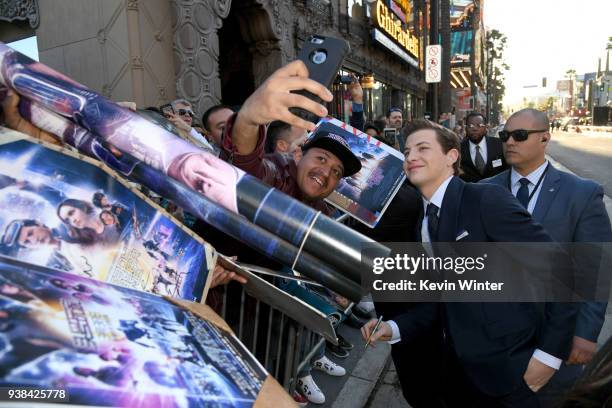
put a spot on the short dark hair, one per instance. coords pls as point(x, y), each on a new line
point(447, 138)
point(380, 124)
point(153, 109)
point(475, 114)
point(210, 111)
point(391, 110)
point(371, 125)
point(276, 130)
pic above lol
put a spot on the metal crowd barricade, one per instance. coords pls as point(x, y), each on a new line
point(282, 345)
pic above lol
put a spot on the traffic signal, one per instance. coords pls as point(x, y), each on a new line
point(544, 82)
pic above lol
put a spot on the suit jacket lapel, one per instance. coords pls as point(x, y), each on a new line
point(466, 157)
point(449, 213)
point(490, 154)
point(550, 187)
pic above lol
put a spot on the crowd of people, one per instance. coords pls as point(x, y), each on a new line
point(497, 189)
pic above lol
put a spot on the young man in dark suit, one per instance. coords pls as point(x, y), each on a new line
point(497, 354)
point(571, 209)
point(481, 155)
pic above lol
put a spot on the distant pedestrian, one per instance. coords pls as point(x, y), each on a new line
point(557, 124)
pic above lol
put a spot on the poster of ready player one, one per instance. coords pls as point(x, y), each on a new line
point(68, 214)
point(367, 194)
point(112, 346)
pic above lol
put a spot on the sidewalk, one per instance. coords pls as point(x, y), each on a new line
point(371, 379)
point(363, 369)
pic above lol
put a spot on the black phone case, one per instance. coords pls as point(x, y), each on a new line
point(324, 73)
point(163, 107)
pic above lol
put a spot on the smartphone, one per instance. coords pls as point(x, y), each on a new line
point(323, 57)
point(167, 109)
point(389, 135)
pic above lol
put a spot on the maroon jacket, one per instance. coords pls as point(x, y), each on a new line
point(277, 169)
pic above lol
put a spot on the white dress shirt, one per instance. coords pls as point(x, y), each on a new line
point(437, 199)
point(483, 150)
point(533, 178)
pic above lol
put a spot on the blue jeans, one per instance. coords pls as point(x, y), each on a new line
point(313, 299)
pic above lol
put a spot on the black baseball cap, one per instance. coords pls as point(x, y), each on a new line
point(337, 145)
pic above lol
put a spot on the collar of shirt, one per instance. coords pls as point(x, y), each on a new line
point(533, 177)
point(482, 143)
point(483, 149)
point(438, 196)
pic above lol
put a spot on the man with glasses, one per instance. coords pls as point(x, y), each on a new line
point(481, 155)
point(571, 209)
point(183, 120)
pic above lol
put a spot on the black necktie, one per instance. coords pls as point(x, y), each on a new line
point(432, 221)
point(479, 161)
point(523, 192)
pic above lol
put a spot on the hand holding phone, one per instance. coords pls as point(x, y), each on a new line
point(167, 109)
point(273, 99)
point(323, 58)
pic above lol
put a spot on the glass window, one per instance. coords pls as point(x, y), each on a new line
point(377, 100)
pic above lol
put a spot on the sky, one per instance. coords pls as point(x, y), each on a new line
point(27, 47)
point(548, 37)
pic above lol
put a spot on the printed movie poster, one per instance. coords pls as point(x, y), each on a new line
point(366, 194)
point(67, 214)
point(112, 346)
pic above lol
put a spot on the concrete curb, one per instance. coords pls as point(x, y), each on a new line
point(364, 377)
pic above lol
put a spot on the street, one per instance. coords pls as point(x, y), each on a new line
point(587, 156)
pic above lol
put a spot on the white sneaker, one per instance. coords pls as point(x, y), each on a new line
point(327, 366)
point(310, 390)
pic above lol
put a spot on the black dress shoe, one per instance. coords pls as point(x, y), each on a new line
point(336, 350)
point(354, 321)
point(344, 343)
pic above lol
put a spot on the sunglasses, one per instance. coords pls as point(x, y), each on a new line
point(473, 126)
point(519, 135)
point(184, 112)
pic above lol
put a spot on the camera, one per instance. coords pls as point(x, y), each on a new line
point(344, 79)
point(318, 57)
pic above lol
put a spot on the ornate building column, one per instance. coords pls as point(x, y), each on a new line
point(18, 19)
point(196, 50)
point(20, 10)
point(265, 25)
point(135, 49)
